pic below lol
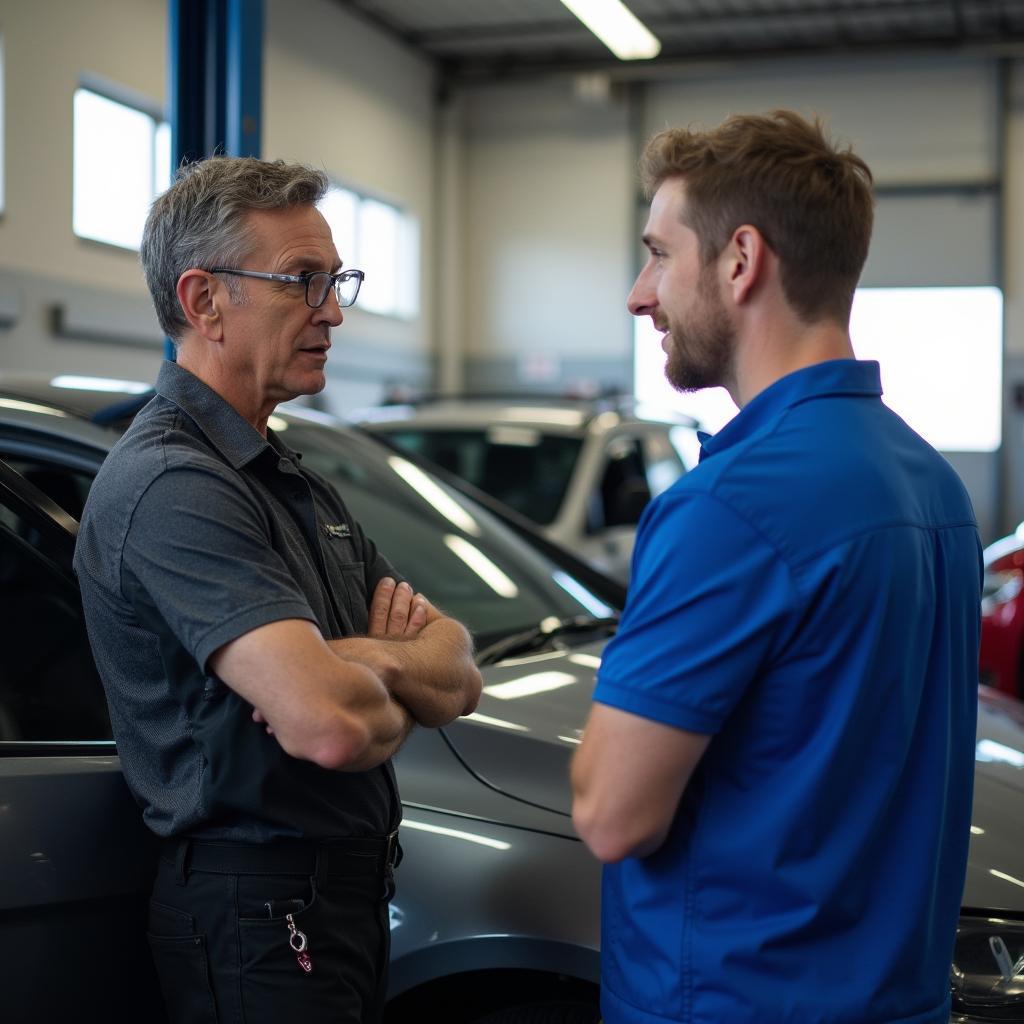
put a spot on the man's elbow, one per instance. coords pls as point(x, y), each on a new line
point(610, 840)
point(342, 746)
point(474, 687)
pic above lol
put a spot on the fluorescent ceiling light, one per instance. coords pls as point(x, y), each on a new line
point(617, 27)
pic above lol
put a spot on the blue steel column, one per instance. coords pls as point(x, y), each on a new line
point(216, 80)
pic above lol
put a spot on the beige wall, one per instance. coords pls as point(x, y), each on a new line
point(548, 212)
point(343, 97)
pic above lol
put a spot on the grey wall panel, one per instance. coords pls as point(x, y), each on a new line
point(933, 239)
point(579, 374)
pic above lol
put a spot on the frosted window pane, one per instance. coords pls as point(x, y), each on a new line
point(409, 267)
point(162, 149)
point(941, 354)
point(113, 170)
point(378, 256)
point(384, 243)
point(339, 210)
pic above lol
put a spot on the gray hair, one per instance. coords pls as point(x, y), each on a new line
point(200, 221)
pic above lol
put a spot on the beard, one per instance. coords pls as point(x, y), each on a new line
point(701, 350)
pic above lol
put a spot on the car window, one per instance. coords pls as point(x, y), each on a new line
point(460, 556)
point(67, 487)
point(49, 688)
point(623, 491)
point(663, 463)
point(519, 465)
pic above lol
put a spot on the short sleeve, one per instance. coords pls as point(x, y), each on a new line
point(706, 602)
point(206, 565)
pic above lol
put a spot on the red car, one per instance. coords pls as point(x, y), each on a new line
point(1002, 615)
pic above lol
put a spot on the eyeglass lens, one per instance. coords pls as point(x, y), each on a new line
point(345, 289)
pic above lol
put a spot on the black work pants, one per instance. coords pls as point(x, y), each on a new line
point(224, 951)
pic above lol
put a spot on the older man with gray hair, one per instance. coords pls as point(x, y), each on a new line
point(261, 669)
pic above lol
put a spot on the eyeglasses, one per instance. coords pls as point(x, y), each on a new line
point(345, 283)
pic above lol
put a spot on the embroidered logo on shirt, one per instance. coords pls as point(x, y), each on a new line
point(338, 532)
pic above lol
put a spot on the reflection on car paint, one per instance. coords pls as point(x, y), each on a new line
point(499, 722)
point(528, 686)
point(455, 833)
point(990, 750)
point(476, 560)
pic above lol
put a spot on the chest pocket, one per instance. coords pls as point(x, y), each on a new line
point(348, 583)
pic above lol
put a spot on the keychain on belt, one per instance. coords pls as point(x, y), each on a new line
point(297, 941)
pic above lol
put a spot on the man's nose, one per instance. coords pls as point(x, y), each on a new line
point(642, 299)
point(329, 310)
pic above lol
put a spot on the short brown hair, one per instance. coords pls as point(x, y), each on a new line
point(778, 172)
point(200, 220)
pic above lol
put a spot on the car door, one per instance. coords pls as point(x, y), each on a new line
point(615, 502)
point(75, 859)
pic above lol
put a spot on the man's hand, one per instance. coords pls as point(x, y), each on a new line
point(396, 611)
point(424, 658)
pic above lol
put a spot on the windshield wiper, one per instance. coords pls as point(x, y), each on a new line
point(539, 636)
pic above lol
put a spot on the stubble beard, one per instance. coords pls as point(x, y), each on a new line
point(701, 351)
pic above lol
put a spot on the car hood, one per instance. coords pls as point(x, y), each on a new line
point(531, 717)
point(528, 724)
point(995, 871)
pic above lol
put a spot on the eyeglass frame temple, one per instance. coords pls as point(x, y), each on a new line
point(335, 279)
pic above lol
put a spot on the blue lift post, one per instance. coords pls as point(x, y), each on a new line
point(216, 80)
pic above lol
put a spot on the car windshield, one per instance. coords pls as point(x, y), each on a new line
point(466, 561)
point(519, 465)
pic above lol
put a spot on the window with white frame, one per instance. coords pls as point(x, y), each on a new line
point(940, 351)
point(383, 242)
point(122, 160)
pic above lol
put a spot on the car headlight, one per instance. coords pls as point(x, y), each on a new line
point(987, 975)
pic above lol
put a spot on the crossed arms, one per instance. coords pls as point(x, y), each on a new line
point(349, 704)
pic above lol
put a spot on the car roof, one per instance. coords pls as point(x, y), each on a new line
point(551, 413)
point(78, 395)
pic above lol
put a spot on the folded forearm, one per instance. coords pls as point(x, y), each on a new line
point(388, 732)
point(432, 675)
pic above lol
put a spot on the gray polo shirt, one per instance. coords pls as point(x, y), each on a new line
point(197, 530)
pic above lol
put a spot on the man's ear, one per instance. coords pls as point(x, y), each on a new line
point(201, 295)
point(746, 262)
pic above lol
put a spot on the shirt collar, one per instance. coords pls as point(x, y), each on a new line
point(235, 438)
point(834, 377)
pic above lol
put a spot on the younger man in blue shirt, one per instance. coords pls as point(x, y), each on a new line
point(778, 765)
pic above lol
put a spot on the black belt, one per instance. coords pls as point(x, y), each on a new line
point(325, 857)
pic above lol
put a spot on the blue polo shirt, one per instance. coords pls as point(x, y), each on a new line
point(809, 595)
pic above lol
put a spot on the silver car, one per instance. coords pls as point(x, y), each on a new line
point(497, 912)
point(583, 470)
